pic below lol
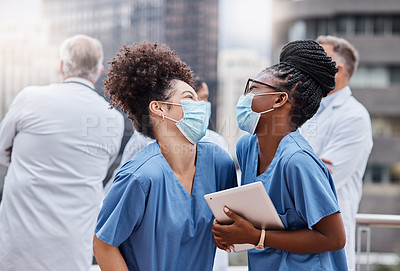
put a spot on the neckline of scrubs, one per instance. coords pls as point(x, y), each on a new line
point(278, 150)
point(172, 173)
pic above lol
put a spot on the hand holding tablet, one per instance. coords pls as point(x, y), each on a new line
point(251, 202)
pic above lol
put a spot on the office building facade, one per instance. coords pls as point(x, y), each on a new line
point(26, 58)
point(188, 27)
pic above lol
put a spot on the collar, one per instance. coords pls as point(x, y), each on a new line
point(80, 80)
point(335, 99)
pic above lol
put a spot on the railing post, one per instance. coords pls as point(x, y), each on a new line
point(366, 229)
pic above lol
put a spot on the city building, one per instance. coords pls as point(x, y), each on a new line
point(374, 29)
point(188, 27)
point(26, 58)
point(235, 66)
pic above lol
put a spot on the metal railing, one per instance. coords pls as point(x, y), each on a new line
point(364, 224)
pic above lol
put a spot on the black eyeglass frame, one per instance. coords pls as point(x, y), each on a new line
point(247, 88)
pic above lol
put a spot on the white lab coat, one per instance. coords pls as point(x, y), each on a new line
point(341, 132)
point(63, 138)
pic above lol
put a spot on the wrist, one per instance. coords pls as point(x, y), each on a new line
point(255, 237)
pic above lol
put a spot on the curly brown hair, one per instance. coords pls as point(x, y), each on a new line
point(141, 73)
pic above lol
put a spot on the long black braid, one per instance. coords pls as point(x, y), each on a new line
point(307, 74)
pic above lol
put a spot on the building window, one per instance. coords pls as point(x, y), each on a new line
point(298, 31)
point(379, 25)
point(359, 25)
point(311, 29)
point(386, 127)
point(371, 76)
point(341, 24)
point(395, 75)
point(395, 173)
point(376, 76)
point(322, 27)
point(396, 25)
point(377, 173)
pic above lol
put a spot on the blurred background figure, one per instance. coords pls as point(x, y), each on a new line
point(203, 94)
point(340, 134)
point(58, 141)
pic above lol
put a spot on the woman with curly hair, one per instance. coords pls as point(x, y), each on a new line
point(154, 216)
point(277, 102)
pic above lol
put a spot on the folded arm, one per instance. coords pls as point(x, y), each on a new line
point(348, 150)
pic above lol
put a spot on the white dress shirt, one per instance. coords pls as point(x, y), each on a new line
point(63, 138)
point(341, 132)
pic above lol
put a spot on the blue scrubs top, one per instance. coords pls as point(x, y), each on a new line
point(302, 190)
point(153, 220)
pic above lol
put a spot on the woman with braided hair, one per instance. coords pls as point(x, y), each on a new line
point(277, 102)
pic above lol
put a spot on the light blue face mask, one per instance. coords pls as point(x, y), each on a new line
point(208, 104)
point(195, 119)
point(246, 118)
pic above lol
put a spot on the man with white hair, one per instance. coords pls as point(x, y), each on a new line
point(58, 141)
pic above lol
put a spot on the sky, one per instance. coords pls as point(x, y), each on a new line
point(243, 23)
point(20, 10)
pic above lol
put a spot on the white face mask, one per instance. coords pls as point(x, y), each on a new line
point(194, 122)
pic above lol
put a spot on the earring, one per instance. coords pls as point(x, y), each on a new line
point(163, 117)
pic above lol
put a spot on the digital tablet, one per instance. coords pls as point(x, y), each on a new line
point(250, 201)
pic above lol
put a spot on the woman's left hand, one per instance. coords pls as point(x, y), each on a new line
point(240, 231)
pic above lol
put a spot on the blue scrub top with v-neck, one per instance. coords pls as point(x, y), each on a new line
point(302, 190)
point(152, 218)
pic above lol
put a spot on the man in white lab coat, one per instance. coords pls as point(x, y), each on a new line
point(58, 141)
point(340, 134)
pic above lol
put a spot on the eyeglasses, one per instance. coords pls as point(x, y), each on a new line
point(250, 82)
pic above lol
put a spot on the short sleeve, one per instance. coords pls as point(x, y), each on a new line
point(311, 188)
point(122, 211)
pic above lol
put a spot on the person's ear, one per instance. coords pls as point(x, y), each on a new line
point(342, 77)
point(156, 110)
point(342, 72)
point(281, 99)
point(101, 70)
